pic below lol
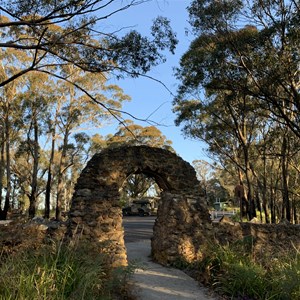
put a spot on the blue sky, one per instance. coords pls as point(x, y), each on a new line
point(150, 97)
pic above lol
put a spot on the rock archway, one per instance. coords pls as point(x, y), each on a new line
point(182, 218)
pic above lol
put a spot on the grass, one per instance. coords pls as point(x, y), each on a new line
point(57, 272)
point(233, 272)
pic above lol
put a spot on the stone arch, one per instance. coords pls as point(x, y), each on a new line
point(182, 218)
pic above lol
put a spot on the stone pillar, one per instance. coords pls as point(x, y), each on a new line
point(181, 227)
point(97, 220)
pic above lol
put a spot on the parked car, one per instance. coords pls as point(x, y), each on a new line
point(140, 208)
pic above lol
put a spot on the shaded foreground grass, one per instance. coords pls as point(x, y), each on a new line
point(234, 272)
point(58, 272)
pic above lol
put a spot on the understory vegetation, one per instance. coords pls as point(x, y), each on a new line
point(59, 272)
point(236, 273)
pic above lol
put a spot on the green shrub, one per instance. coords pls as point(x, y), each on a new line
point(243, 279)
point(233, 272)
point(57, 273)
point(286, 276)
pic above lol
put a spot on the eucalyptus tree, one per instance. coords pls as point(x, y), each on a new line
point(134, 134)
point(261, 39)
point(57, 33)
point(136, 185)
point(288, 155)
point(2, 162)
point(248, 49)
point(266, 172)
point(35, 102)
point(10, 122)
point(51, 124)
point(228, 124)
point(76, 114)
point(204, 172)
point(294, 177)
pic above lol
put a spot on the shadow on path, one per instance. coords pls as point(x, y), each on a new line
point(152, 281)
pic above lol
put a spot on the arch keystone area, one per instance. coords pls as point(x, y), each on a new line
point(182, 218)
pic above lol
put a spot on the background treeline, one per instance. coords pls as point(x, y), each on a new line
point(43, 141)
point(239, 93)
point(48, 134)
point(58, 60)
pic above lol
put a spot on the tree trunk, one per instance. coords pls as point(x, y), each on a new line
point(48, 193)
point(2, 166)
point(251, 203)
point(272, 206)
point(60, 179)
point(49, 179)
point(272, 196)
point(286, 210)
point(258, 205)
point(34, 180)
point(59, 196)
point(8, 173)
point(264, 189)
point(295, 212)
point(242, 197)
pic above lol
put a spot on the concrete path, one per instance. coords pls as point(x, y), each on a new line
point(152, 281)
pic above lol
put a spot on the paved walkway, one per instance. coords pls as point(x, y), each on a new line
point(152, 281)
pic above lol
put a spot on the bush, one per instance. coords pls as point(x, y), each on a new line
point(233, 271)
point(57, 272)
point(286, 276)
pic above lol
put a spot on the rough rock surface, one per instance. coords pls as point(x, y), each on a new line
point(183, 217)
point(18, 235)
point(263, 237)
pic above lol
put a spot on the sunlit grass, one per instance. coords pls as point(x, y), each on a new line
point(58, 272)
point(234, 272)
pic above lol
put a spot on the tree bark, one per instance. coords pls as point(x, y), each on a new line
point(35, 155)
point(286, 209)
point(49, 180)
point(295, 212)
point(2, 166)
point(8, 172)
point(60, 179)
